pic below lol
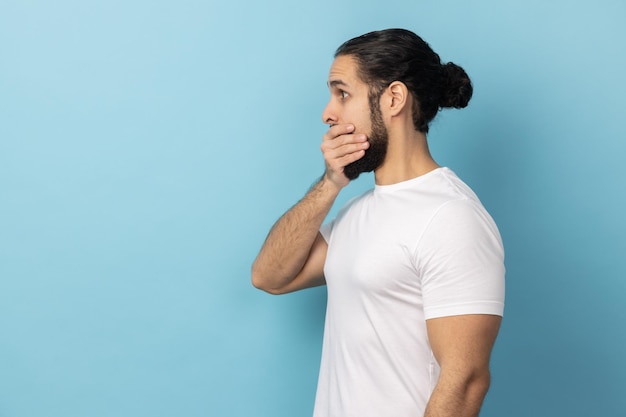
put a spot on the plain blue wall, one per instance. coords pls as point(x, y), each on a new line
point(146, 147)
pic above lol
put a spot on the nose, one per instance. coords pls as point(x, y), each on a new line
point(329, 115)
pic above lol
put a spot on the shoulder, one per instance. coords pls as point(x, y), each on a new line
point(459, 231)
point(460, 223)
point(457, 207)
point(453, 187)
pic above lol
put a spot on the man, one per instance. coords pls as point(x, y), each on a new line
point(414, 267)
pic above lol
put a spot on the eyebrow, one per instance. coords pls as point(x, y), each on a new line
point(337, 83)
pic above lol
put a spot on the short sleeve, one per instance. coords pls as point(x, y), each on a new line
point(326, 230)
point(460, 259)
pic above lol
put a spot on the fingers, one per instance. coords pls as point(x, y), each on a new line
point(341, 146)
point(339, 129)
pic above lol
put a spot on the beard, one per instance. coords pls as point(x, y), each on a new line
point(378, 140)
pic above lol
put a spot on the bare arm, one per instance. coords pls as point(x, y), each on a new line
point(294, 240)
point(462, 346)
point(293, 255)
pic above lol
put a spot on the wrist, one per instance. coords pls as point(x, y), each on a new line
point(330, 179)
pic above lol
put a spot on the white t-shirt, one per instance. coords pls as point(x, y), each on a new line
point(397, 256)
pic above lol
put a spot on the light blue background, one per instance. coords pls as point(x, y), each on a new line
point(146, 147)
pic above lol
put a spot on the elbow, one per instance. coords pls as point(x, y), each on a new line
point(471, 385)
point(477, 384)
point(481, 382)
point(261, 282)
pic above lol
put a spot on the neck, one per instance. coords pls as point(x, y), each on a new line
point(407, 157)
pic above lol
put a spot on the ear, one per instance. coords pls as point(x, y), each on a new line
point(396, 98)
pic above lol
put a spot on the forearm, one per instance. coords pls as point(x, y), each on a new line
point(458, 396)
point(290, 240)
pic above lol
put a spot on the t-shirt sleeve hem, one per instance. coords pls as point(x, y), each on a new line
point(326, 230)
point(495, 308)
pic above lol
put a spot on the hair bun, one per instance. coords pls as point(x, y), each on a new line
point(457, 87)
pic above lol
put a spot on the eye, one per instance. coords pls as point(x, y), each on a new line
point(343, 94)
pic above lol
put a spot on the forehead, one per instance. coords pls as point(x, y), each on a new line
point(344, 70)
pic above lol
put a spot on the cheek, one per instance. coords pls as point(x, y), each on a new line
point(359, 116)
point(364, 125)
point(359, 119)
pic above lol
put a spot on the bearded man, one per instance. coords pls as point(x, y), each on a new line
point(414, 267)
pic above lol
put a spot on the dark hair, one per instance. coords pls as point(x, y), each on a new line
point(400, 55)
